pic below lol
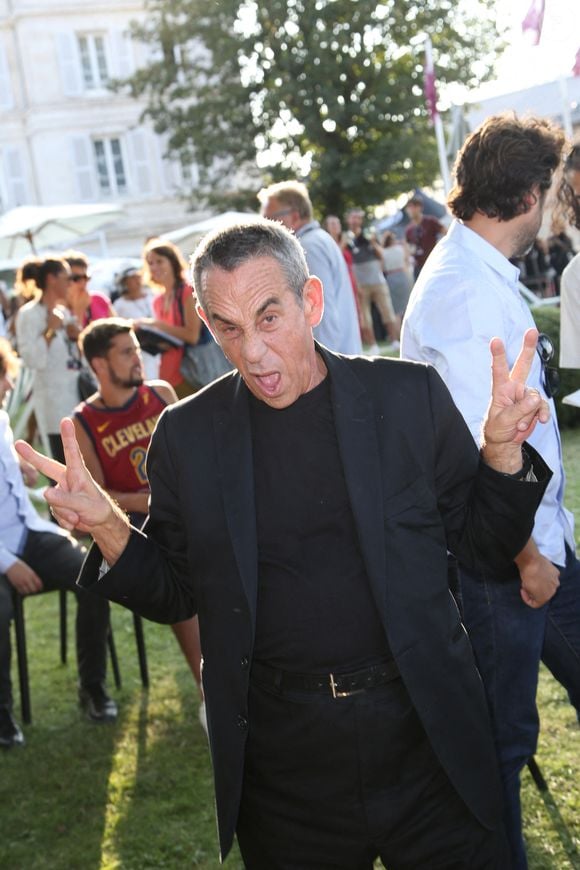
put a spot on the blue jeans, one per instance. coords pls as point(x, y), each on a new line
point(509, 639)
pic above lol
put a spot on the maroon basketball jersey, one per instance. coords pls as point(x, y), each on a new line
point(121, 437)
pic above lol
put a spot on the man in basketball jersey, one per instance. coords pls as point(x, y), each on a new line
point(114, 427)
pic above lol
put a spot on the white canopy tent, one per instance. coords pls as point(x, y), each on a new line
point(31, 228)
point(186, 238)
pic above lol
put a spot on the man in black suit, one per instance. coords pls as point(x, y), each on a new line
point(303, 506)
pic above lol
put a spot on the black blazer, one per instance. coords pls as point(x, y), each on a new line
point(417, 488)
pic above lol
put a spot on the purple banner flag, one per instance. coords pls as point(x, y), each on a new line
point(532, 23)
point(576, 67)
point(429, 87)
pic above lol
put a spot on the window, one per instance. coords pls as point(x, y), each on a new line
point(93, 61)
point(116, 165)
point(110, 165)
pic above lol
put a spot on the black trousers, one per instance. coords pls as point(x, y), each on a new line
point(57, 560)
point(339, 783)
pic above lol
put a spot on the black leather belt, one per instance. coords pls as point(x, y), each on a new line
point(337, 685)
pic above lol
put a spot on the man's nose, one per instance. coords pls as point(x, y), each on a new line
point(253, 348)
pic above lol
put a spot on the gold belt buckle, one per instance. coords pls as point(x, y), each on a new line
point(336, 694)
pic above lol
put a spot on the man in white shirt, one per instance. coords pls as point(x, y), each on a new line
point(36, 556)
point(467, 293)
point(289, 203)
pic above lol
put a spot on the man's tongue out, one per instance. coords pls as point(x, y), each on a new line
point(269, 383)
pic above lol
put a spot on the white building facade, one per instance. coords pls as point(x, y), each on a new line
point(65, 137)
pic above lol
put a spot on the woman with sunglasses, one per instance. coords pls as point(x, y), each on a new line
point(84, 306)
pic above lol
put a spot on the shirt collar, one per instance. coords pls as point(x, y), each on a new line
point(305, 228)
point(482, 250)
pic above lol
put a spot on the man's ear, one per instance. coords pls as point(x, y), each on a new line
point(313, 300)
point(529, 200)
point(98, 365)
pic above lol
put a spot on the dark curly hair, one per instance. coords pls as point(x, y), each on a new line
point(568, 200)
point(501, 163)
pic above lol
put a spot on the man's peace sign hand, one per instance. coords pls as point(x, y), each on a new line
point(77, 502)
point(514, 409)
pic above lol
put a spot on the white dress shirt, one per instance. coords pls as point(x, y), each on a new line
point(466, 294)
point(17, 515)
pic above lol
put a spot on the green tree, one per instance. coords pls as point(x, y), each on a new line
point(329, 90)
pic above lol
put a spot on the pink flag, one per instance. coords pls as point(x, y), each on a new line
point(429, 88)
point(532, 23)
point(576, 67)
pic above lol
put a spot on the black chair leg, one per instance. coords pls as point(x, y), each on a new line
point(63, 626)
point(114, 659)
point(20, 631)
point(537, 774)
point(141, 652)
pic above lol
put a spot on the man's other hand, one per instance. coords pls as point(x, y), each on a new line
point(23, 578)
point(540, 581)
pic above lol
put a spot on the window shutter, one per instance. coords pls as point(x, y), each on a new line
point(140, 163)
point(6, 95)
point(70, 70)
point(15, 176)
point(82, 160)
point(123, 60)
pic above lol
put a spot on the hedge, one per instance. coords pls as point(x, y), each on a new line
point(548, 321)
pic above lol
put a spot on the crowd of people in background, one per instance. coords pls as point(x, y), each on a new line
point(52, 323)
point(380, 268)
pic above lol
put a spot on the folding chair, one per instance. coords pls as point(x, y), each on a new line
point(22, 656)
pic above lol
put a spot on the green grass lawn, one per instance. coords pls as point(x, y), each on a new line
point(139, 794)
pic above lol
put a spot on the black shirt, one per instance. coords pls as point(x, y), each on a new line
point(315, 611)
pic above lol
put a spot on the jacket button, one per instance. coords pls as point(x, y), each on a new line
point(242, 723)
point(244, 662)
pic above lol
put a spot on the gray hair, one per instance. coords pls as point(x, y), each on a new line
point(232, 246)
point(293, 194)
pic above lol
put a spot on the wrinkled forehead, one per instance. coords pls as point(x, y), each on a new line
point(247, 281)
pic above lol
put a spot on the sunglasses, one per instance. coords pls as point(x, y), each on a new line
point(77, 278)
point(550, 376)
point(282, 212)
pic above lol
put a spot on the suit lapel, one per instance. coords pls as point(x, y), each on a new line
point(235, 462)
point(359, 450)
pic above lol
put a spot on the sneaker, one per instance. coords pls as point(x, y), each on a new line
point(10, 733)
point(394, 345)
point(203, 718)
point(96, 704)
point(373, 350)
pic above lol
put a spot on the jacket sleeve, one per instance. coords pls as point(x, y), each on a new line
point(152, 576)
point(488, 516)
